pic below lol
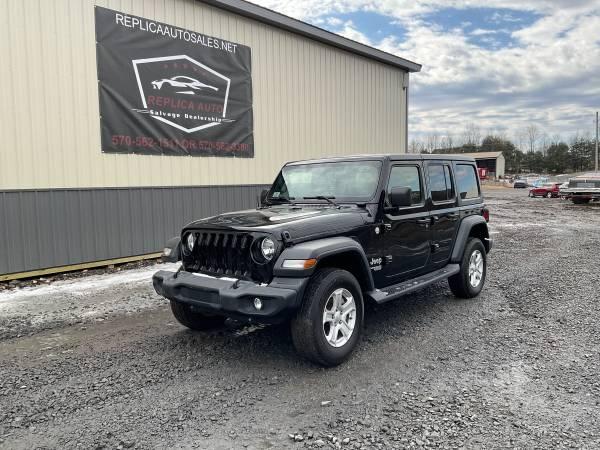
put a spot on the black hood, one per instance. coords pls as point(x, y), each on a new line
point(301, 222)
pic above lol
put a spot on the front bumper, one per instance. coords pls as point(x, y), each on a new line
point(231, 298)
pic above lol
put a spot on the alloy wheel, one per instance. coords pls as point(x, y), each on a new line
point(475, 268)
point(339, 317)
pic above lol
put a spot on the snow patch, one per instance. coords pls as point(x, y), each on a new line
point(84, 286)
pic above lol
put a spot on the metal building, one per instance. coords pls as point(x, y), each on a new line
point(66, 202)
point(492, 161)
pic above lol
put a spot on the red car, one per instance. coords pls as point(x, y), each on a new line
point(545, 190)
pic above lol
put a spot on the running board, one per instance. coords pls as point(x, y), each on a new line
point(396, 290)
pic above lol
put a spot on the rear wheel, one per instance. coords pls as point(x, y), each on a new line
point(468, 283)
point(329, 323)
point(195, 320)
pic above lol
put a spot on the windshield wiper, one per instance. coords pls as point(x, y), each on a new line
point(322, 197)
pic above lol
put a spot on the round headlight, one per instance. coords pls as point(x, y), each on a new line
point(191, 240)
point(267, 248)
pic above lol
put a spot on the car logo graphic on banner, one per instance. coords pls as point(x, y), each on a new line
point(171, 91)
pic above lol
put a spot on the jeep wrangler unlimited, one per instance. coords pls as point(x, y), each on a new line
point(327, 237)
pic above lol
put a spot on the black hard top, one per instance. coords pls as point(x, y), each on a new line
point(386, 157)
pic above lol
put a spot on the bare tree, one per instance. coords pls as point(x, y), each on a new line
point(415, 146)
point(532, 134)
point(471, 134)
point(432, 142)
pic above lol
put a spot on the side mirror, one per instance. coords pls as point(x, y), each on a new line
point(263, 196)
point(172, 250)
point(400, 197)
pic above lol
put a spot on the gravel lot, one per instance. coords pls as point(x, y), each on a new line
point(99, 362)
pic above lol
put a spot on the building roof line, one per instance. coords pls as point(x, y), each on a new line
point(284, 22)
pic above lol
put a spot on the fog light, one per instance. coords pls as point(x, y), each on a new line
point(258, 303)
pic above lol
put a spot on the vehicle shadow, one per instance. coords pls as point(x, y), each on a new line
point(272, 344)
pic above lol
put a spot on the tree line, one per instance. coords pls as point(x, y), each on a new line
point(533, 150)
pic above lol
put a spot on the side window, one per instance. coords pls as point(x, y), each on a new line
point(466, 181)
point(440, 181)
point(437, 182)
point(407, 176)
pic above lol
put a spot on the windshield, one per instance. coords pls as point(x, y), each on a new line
point(355, 180)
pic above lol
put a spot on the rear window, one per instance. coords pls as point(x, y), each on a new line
point(466, 181)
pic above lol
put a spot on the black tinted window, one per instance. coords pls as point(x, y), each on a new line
point(407, 176)
point(440, 180)
point(466, 181)
point(437, 181)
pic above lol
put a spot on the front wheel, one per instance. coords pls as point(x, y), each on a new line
point(195, 320)
point(549, 194)
point(329, 323)
point(468, 283)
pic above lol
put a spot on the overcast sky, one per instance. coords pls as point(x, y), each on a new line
point(501, 64)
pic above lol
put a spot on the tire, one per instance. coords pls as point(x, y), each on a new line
point(195, 320)
point(549, 195)
point(530, 194)
point(460, 284)
point(309, 326)
point(580, 201)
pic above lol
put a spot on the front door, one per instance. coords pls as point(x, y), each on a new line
point(444, 214)
point(407, 239)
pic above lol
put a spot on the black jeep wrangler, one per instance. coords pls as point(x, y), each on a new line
point(329, 236)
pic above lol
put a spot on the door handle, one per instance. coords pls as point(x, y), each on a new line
point(453, 216)
point(424, 221)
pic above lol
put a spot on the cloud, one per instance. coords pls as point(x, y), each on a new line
point(482, 32)
point(547, 73)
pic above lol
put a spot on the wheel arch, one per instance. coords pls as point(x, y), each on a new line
point(471, 226)
point(339, 252)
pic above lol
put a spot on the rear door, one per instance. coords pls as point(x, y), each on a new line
point(444, 211)
point(407, 238)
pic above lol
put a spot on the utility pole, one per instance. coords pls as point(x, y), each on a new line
point(596, 159)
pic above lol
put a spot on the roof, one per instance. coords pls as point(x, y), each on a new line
point(383, 156)
point(483, 155)
point(589, 175)
point(284, 22)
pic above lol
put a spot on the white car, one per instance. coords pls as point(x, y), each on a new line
point(182, 81)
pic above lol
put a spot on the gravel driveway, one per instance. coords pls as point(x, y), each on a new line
point(99, 362)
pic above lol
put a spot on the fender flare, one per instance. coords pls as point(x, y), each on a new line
point(320, 249)
point(463, 233)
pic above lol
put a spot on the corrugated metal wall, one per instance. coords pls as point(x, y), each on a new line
point(310, 100)
point(58, 227)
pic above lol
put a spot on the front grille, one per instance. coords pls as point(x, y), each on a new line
point(221, 253)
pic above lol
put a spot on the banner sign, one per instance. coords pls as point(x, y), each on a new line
point(166, 90)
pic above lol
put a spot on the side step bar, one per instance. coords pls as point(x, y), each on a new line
point(396, 290)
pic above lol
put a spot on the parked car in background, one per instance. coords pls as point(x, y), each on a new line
point(520, 184)
point(583, 188)
point(561, 189)
point(545, 190)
